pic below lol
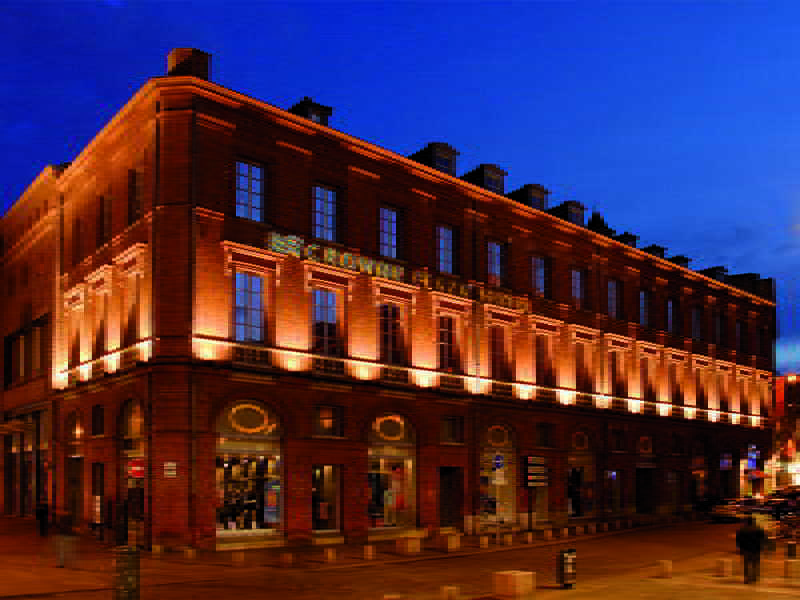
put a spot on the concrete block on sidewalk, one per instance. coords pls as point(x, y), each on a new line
point(724, 567)
point(591, 528)
point(238, 557)
point(450, 542)
point(565, 532)
point(665, 569)
point(449, 592)
point(791, 568)
point(287, 559)
point(516, 585)
point(409, 545)
point(547, 534)
point(369, 552)
point(484, 540)
point(330, 555)
point(508, 539)
point(157, 549)
point(529, 537)
point(190, 553)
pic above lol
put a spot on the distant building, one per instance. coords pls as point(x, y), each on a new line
point(786, 461)
point(257, 330)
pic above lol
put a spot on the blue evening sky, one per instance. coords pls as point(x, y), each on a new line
point(678, 121)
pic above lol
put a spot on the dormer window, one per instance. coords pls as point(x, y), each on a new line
point(444, 163)
point(315, 117)
point(494, 184)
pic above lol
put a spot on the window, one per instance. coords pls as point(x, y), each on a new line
point(644, 308)
point(648, 392)
point(447, 345)
point(499, 362)
point(722, 389)
point(249, 190)
point(103, 220)
point(324, 214)
point(36, 351)
point(583, 379)
point(443, 163)
point(700, 390)
point(388, 241)
point(135, 188)
point(697, 330)
point(544, 435)
point(445, 249)
point(619, 386)
point(391, 335)
point(545, 375)
point(613, 298)
point(496, 263)
point(452, 431)
point(741, 337)
point(325, 333)
point(579, 288)
point(541, 276)
point(98, 416)
point(249, 312)
point(670, 316)
point(328, 421)
point(765, 345)
point(76, 241)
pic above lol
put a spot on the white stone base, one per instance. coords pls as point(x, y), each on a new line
point(724, 567)
point(409, 545)
point(516, 585)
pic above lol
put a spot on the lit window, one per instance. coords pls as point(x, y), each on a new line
point(644, 308)
point(613, 298)
point(496, 266)
point(249, 190)
point(325, 332)
point(388, 241)
point(447, 347)
point(324, 214)
point(249, 317)
point(540, 276)
point(444, 243)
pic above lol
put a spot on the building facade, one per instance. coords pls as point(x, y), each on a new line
point(257, 330)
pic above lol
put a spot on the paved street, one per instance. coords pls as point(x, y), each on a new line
point(609, 565)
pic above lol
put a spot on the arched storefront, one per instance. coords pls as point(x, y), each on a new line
point(392, 476)
point(132, 459)
point(498, 476)
point(73, 467)
point(248, 472)
point(580, 477)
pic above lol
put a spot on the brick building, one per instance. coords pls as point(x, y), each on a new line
point(260, 330)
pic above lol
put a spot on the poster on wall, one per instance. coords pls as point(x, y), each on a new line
point(272, 490)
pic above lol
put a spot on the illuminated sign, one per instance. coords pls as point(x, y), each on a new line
point(536, 475)
point(136, 468)
point(293, 245)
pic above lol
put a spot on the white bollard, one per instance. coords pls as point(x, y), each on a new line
point(449, 592)
point(484, 541)
point(330, 555)
point(514, 585)
point(369, 552)
point(547, 534)
point(665, 569)
point(190, 553)
point(508, 539)
point(529, 537)
point(724, 567)
point(791, 568)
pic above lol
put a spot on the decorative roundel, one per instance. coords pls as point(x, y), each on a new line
point(580, 441)
point(250, 418)
point(498, 436)
point(391, 428)
point(645, 445)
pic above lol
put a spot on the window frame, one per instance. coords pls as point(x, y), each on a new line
point(453, 360)
point(396, 354)
point(541, 263)
point(337, 351)
point(392, 248)
point(581, 301)
point(644, 308)
point(330, 200)
point(261, 194)
point(500, 260)
point(613, 313)
point(452, 250)
point(248, 308)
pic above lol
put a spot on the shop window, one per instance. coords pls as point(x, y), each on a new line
point(452, 431)
point(249, 485)
point(392, 473)
point(328, 420)
point(249, 310)
point(249, 191)
point(325, 498)
point(498, 473)
point(98, 419)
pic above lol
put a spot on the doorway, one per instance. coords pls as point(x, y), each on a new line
point(451, 496)
point(645, 482)
point(75, 489)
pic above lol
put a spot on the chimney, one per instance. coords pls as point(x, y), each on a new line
point(439, 156)
point(598, 224)
point(680, 260)
point(312, 111)
point(189, 61)
point(717, 273)
point(489, 177)
point(531, 194)
point(655, 250)
point(627, 238)
point(570, 210)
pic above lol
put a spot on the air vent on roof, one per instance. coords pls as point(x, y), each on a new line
point(531, 194)
point(437, 155)
point(490, 177)
point(570, 210)
point(189, 61)
point(312, 111)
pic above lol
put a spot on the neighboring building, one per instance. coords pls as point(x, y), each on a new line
point(259, 329)
point(786, 463)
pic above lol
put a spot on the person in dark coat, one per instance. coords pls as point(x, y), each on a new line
point(750, 541)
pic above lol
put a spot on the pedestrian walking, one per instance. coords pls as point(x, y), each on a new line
point(42, 517)
point(750, 540)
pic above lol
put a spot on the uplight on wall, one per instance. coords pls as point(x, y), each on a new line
point(754, 421)
point(634, 406)
point(84, 371)
point(566, 397)
point(713, 416)
point(688, 412)
point(602, 401)
point(524, 392)
point(663, 409)
point(735, 418)
point(424, 378)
